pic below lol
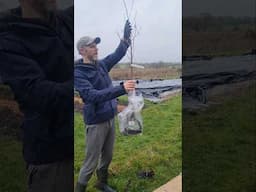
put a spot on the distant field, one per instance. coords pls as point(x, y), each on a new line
point(146, 74)
point(218, 43)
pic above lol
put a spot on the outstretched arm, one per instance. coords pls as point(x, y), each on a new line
point(112, 59)
point(120, 52)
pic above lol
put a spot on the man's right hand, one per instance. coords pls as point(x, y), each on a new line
point(129, 85)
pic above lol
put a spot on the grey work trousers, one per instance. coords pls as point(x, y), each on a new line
point(52, 177)
point(100, 140)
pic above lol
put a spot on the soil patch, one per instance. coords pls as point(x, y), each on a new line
point(11, 118)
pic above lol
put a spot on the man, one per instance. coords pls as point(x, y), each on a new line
point(94, 85)
point(36, 56)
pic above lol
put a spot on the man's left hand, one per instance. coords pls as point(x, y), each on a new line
point(127, 31)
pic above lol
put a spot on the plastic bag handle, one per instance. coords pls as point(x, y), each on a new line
point(132, 93)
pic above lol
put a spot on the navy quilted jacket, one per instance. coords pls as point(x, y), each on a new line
point(95, 87)
point(36, 61)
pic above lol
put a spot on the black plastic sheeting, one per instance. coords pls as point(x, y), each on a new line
point(202, 74)
point(154, 90)
point(196, 86)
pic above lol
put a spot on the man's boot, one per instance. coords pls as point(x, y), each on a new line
point(102, 183)
point(80, 187)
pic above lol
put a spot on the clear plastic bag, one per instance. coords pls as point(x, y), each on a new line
point(130, 119)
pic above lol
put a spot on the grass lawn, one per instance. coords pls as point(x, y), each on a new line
point(157, 149)
point(12, 166)
point(219, 146)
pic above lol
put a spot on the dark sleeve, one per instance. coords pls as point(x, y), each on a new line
point(115, 57)
point(30, 86)
point(91, 95)
point(67, 13)
point(66, 18)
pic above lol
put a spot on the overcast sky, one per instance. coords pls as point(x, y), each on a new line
point(159, 24)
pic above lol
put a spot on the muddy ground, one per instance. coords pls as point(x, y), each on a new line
point(11, 118)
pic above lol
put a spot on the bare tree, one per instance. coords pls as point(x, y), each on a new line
point(134, 34)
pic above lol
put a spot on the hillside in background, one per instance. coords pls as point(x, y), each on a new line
point(218, 36)
point(151, 71)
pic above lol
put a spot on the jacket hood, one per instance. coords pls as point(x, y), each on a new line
point(80, 64)
point(11, 20)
